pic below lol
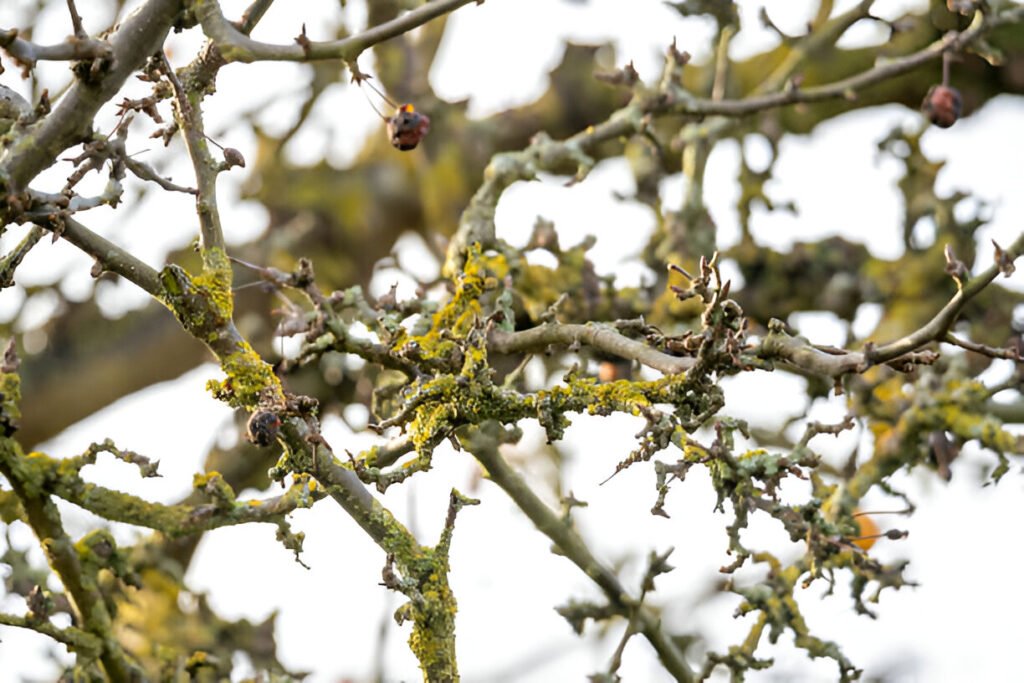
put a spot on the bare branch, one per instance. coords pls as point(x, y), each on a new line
point(144, 171)
point(77, 47)
point(570, 544)
point(76, 20)
point(110, 256)
point(940, 324)
point(190, 121)
point(137, 37)
point(235, 46)
point(599, 337)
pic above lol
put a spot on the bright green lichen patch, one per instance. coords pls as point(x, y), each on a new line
point(32, 471)
point(435, 407)
point(462, 392)
point(204, 304)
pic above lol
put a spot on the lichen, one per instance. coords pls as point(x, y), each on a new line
point(432, 606)
point(10, 403)
point(457, 318)
point(433, 633)
point(216, 279)
point(249, 380)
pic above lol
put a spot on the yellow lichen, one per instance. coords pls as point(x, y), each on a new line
point(216, 279)
point(249, 379)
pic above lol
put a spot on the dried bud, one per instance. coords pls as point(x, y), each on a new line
point(40, 603)
point(262, 428)
point(407, 127)
point(233, 157)
point(942, 105)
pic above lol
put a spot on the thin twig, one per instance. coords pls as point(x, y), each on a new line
point(76, 20)
point(190, 122)
point(75, 48)
point(984, 349)
point(10, 261)
point(252, 15)
point(235, 46)
point(600, 337)
point(137, 37)
point(110, 256)
point(570, 544)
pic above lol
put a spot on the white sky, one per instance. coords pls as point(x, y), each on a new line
point(959, 625)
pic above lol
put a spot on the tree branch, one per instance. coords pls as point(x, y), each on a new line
point(571, 155)
point(74, 638)
point(70, 122)
point(235, 46)
point(901, 353)
point(189, 116)
point(597, 336)
point(86, 598)
point(575, 549)
point(12, 259)
point(938, 326)
point(110, 256)
point(74, 48)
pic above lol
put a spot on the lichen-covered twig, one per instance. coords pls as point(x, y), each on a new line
point(64, 481)
point(74, 638)
point(87, 599)
point(12, 259)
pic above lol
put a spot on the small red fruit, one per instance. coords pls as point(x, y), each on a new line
point(263, 427)
point(942, 105)
point(407, 127)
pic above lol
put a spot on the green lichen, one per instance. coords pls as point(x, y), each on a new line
point(10, 403)
point(441, 404)
point(457, 318)
point(203, 303)
point(249, 380)
point(465, 394)
point(32, 471)
point(98, 550)
point(433, 633)
point(124, 507)
point(905, 416)
point(432, 606)
point(216, 279)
